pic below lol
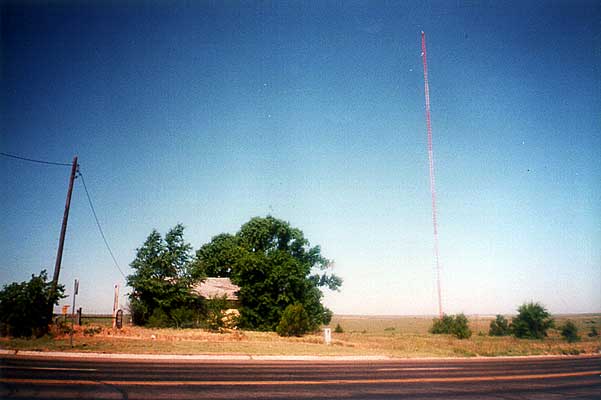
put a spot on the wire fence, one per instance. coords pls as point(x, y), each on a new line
point(105, 320)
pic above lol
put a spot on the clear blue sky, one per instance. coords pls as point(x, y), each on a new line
point(313, 112)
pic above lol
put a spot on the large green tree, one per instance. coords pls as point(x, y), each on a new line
point(24, 307)
point(275, 266)
point(216, 258)
point(162, 279)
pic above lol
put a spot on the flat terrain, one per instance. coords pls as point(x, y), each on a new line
point(542, 378)
point(389, 336)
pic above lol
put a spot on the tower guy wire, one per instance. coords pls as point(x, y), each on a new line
point(98, 224)
point(432, 178)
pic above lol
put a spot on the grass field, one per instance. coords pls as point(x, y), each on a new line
point(390, 336)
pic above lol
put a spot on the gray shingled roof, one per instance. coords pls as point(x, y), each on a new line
point(217, 287)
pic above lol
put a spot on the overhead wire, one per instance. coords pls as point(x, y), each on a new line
point(35, 161)
point(98, 223)
point(108, 247)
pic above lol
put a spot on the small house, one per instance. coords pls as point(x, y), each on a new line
point(218, 287)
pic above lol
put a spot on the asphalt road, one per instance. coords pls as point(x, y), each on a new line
point(541, 378)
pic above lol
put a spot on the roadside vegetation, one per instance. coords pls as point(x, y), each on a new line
point(25, 307)
point(533, 321)
point(455, 325)
point(275, 267)
point(271, 261)
point(569, 331)
point(389, 336)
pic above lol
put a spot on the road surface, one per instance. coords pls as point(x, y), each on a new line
point(529, 378)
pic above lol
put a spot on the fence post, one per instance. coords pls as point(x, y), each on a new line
point(119, 319)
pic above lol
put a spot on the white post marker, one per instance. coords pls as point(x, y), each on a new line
point(327, 335)
point(115, 305)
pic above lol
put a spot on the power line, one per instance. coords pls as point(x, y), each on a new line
point(35, 161)
point(98, 224)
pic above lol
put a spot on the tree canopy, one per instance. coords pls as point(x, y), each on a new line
point(216, 258)
point(162, 279)
point(24, 307)
point(275, 266)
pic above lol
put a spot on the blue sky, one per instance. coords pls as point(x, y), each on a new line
point(211, 113)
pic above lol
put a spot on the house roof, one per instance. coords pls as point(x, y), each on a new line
point(217, 287)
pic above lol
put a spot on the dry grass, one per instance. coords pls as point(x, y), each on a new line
point(392, 336)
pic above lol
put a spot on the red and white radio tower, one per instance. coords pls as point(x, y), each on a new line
point(432, 180)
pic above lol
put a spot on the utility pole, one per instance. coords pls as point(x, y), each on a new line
point(61, 242)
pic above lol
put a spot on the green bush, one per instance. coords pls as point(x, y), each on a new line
point(452, 325)
point(139, 311)
point(461, 328)
point(26, 307)
point(593, 332)
point(569, 332)
point(184, 317)
point(294, 322)
point(499, 327)
point(338, 329)
point(159, 319)
point(215, 312)
point(443, 325)
point(532, 322)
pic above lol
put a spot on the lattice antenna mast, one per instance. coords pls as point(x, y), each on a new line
point(432, 180)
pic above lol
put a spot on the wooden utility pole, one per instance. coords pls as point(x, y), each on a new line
point(61, 241)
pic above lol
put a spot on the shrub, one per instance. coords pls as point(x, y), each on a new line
point(215, 312)
point(569, 332)
point(139, 311)
point(499, 327)
point(61, 327)
point(26, 307)
point(159, 319)
point(532, 322)
point(338, 329)
point(452, 325)
point(461, 328)
point(183, 317)
point(91, 331)
point(593, 332)
point(294, 321)
point(443, 325)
